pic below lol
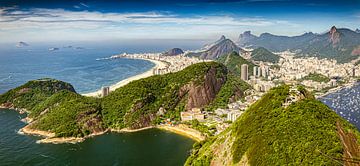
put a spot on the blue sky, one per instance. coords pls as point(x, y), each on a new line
point(48, 20)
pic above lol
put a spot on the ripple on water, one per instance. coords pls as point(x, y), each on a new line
point(346, 103)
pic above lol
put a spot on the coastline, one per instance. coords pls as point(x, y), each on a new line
point(336, 89)
point(148, 73)
point(49, 137)
point(184, 131)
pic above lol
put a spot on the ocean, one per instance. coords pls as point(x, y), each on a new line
point(80, 67)
point(346, 103)
point(147, 147)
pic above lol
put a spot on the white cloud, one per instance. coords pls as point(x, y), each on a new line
point(60, 21)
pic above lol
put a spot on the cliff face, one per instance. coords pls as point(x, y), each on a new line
point(200, 95)
point(334, 36)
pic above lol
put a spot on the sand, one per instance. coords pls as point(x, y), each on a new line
point(185, 131)
point(158, 64)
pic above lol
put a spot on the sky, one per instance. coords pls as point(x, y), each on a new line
point(49, 20)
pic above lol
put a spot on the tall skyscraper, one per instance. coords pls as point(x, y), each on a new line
point(244, 72)
point(353, 72)
point(254, 71)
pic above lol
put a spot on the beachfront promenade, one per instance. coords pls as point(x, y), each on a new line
point(163, 65)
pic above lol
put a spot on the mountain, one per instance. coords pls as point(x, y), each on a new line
point(246, 38)
point(233, 62)
point(272, 132)
point(21, 44)
point(221, 47)
point(55, 107)
point(273, 42)
point(262, 54)
point(208, 46)
point(33, 92)
point(342, 44)
point(174, 52)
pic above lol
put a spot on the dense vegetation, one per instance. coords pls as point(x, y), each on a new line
point(137, 102)
point(233, 62)
point(33, 92)
point(316, 77)
point(56, 107)
point(232, 91)
point(304, 133)
point(68, 114)
point(262, 54)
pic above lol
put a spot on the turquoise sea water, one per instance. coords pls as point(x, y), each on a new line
point(76, 66)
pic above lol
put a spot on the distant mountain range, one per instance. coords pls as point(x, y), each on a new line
point(221, 47)
point(340, 44)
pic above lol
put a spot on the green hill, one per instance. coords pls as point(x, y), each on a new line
point(233, 62)
point(56, 107)
point(316, 77)
point(306, 132)
point(33, 92)
point(262, 54)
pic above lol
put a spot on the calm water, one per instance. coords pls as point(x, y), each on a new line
point(148, 147)
point(346, 103)
point(80, 68)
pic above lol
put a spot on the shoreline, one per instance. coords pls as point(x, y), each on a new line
point(339, 88)
point(184, 130)
point(121, 83)
point(49, 137)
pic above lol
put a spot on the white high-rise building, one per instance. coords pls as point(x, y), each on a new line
point(244, 72)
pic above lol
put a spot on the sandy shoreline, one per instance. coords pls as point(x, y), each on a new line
point(184, 131)
point(148, 73)
point(50, 137)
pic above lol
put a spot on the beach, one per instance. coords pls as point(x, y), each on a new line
point(158, 64)
point(184, 130)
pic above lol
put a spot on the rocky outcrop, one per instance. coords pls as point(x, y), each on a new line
point(200, 95)
point(246, 37)
point(334, 36)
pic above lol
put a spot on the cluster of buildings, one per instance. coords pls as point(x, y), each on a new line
point(292, 68)
point(192, 114)
point(261, 78)
point(173, 63)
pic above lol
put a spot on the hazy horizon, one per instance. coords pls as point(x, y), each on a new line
point(55, 21)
